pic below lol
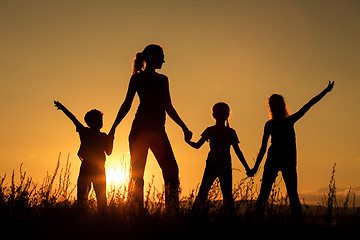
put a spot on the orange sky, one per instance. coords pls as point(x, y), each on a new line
point(240, 52)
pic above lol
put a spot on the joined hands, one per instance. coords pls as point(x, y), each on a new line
point(187, 135)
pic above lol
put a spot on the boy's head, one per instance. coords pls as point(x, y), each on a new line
point(94, 119)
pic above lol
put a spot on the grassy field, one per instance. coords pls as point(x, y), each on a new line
point(49, 211)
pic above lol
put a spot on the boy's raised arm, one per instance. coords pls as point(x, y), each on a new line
point(68, 113)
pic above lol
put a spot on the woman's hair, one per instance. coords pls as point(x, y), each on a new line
point(221, 110)
point(277, 106)
point(141, 57)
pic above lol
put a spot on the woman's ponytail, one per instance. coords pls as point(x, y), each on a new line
point(138, 64)
point(141, 57)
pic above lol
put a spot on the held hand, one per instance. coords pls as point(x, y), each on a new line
point(111, 135)
point(59, 105)
point(188, 135)
point(330, 86)
point(250, 173)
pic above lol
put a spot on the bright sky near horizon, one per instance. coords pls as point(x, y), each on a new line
point(240, 52)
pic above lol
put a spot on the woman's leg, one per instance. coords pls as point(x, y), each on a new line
point(138, 153)
point(161, 148)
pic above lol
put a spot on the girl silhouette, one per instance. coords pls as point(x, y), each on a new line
point(282, 152)
point(218, 163)
point(148, 128)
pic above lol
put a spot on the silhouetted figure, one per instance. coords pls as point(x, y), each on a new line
point(218, 163)
point(282, 152)
point(148, 128)
point(94, 145)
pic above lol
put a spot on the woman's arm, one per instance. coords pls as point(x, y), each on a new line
point(173, 114)
point(125, 107)
point(299, 114)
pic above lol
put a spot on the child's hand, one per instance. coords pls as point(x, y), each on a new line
point(59, 105)
point(111, 135)
point(251, 172)
point(188, 135)
point(330, 86)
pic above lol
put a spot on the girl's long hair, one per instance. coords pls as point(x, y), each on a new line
point(140, 59)
point(277, 106)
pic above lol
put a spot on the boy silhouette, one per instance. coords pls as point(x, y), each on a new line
point(94, 145)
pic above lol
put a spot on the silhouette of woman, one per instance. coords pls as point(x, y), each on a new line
point(282, 152)
point(148, 127)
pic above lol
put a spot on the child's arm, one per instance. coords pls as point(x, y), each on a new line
point(241, 157)
point(296, 116)
point(109, 144)
point(68, 113)
point(262, 151)
point(196, 145)
point(125, 107)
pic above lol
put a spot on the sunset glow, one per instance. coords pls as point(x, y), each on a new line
point(238, 52)
point(117, 173)
point(208, 160)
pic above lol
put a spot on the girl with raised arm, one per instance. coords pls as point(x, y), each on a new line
point(148, 128)
point(282, 152)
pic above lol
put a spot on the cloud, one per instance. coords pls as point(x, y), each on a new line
point(319, 196)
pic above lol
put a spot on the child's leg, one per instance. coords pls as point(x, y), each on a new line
point(225, 178)
point(268, 179)
point(210, 174)
point(83, 184)
point(290, 179)
point(138, 153)
point(99, 183)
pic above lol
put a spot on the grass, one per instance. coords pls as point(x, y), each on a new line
point(49, 211)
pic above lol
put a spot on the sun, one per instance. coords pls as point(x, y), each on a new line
point(117, 172)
